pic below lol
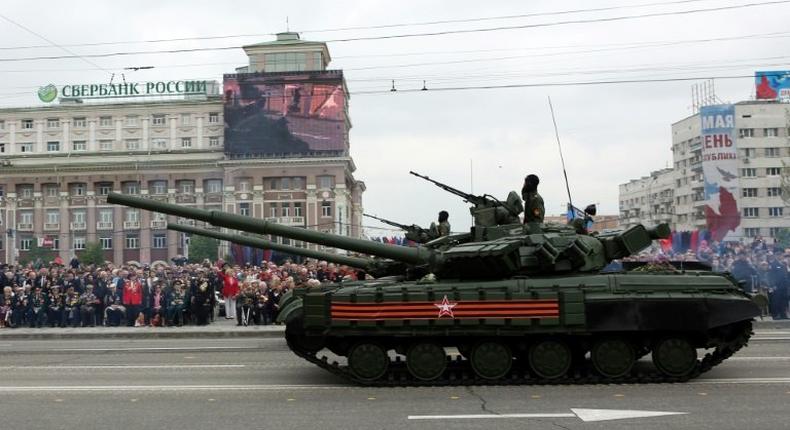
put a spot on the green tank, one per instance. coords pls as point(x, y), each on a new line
point(507, 303)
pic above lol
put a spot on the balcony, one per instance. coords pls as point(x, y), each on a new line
point(287, 220)
point(24, 227)
point(131, 225)
point(185, 221)
point(104, 225)
point(78, 226)
point(51, 226)
point(158, 224)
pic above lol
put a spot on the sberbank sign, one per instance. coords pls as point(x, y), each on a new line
point(127, 89)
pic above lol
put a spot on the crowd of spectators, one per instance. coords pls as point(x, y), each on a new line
point(760, 268)
point(76, 295)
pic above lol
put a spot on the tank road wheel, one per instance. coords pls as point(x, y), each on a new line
point(613, 358)
point(368, 361)
point(675, 356)
point(550, 358)
point(426, 360)
point(491, 360)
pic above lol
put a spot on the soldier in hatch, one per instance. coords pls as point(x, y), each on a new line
point(444, 225)
point(533, 202)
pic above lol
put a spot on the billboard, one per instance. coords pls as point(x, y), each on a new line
point(285, 113)
point(720, 171)
point(772, 85)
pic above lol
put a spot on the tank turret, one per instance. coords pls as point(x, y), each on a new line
point(497, 251)
point(367, 264)
point(413, 232)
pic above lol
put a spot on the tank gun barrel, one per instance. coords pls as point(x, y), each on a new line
point(483, 201)
point(386, 221)
point(360, 263)
point(411, 255)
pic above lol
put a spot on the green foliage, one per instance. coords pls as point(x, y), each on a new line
point(202, 247)
point(783, 238)
point(92, 254)
point(36, 253)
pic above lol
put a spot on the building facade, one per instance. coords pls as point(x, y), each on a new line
point(58, 163)
point(762, 139)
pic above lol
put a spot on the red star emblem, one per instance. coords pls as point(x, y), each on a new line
point(445, 307)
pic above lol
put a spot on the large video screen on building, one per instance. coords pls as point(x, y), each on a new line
point(281, 114)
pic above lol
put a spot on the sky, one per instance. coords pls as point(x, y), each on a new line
point(478, 140)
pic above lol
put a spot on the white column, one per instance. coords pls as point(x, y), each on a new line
point(119, 134)
point(173, 143)
point(92, 135)
point(199, 143)
point(12, 139)
point(40, 145)
point(66, 136)
point(146, 143)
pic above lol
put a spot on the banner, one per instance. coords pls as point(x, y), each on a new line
point(279, 114)
point(772, 85)
point(720, 171)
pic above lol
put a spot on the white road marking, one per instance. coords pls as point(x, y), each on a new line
point(99, 388)
point(586, 415)
point(127, 366)
point(741, 381)
point(759, 358)
point(154, 348)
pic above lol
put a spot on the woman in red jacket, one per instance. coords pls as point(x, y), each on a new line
point(230, 289)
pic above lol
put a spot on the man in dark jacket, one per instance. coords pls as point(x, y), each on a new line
point(744, 272)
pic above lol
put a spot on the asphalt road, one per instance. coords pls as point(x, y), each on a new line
point(258, 384)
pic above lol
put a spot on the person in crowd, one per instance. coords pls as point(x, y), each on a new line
point(55, 312)
point(176, 304)
point(230, 289)
point(157, 305)
point(114, 311)
point(132, 298)
point(201, 299)
point(246, 301)
point(71, 307)
point(88, 302)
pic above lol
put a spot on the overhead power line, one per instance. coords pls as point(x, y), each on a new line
point(396, 36)
point(370, 27)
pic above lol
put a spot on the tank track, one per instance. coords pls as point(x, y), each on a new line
point(459, 373)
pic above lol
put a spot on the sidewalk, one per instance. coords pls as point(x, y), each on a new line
point(218, 329)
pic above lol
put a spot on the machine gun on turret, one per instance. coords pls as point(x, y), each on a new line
point(414, 232)
point(488, 211)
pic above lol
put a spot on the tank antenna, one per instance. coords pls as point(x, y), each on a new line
point(564, 172)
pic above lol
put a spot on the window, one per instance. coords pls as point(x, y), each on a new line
point(158, 119)
point(80, 122)
point(27, 124)
point(26, 217)
point(132, 120)
point(297, 183)
point(213, 185)
point(773, 171)
point(2, 191)
point(244, 209)
point(105, 121)
point(273, 210)
point(297, 209)
point(133, 215)
point(749, 172)
point(2, 148)
point(55, 243)
point(775, 212)
point(158, 187)
point(105, 242)
point(53, 146)
point(285, 183)
point(326, 209)
point(286, 209)
point(79, 243)
point(51, 190)
point(186, 142)
point(79, 145)
point(751, 212)
point(774, 192)
point(25, 244)
point(750, 192)
point(751, 231)
point(325, 181)
point(160, 241)
point(104, 188)
point(774, 231)
point(186, 187)
point(105, 216)
point(106, 145)
point(132, 242)
point(25, 191)
point(286, 62)
point(771, 132)
point(213, 118)
point(25, 147)
point(772, 152)
point(159, 143)
point(244, 185)
point(132, 144)
point(53, 217)
point(748, 152)
point(745, 132)
point(53, 122)
point(213, 141)
point(2, 124)
point(131, 188)
point(78, 217)
point(78, 189)
point(186, 119)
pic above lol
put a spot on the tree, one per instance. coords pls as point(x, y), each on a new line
point(202, 247)
point(92, 254)
point(783, 238)
point(37, 253)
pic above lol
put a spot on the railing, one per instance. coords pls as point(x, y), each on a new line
point(129, 225)
point(25, 227)
point(51, 226)
point(104, 225)
point(158, 224)
point(287, 220)
point(78, 226)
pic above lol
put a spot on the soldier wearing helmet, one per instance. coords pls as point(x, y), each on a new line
point(533, 202)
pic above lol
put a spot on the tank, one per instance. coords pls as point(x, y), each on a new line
point(412, 232)
point(367, 264)
point(507, 303)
